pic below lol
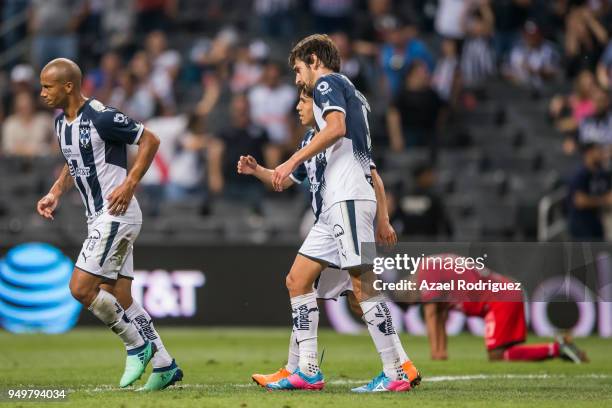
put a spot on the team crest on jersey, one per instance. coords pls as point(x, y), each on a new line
point(85, 133)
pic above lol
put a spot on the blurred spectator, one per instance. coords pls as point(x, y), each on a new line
point(21, 80)
point(100, 82)
point(569, 111)
point(510, 15)
point(477, 55)
point(353, 66)
point(598, 127)
point(247, 65)
point(155, 14)
point(215, 54)
point(585, 39)
point(241, 137)
point(447, 77)
point(450, 18)
point(401, 48)
point(169, 127)
point(331, 15)
point(27, 132)
point(133, 97)
point(53, 24)
point(193, 151)
point(604, 68)
point(533, 61)
point(415, 115)
point(118, 18)
point(165, 66)
point(421, 212)
point(275, 18)
point(369, 28)
point(590, 192)
point(271, 105)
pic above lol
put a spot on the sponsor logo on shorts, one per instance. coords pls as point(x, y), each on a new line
point(338, 231)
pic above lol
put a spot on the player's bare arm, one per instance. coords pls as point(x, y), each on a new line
point(334, 131)
point(385, 234)
point(247, 165)
point(49, 202)
point(435, 320)
point(119, 199)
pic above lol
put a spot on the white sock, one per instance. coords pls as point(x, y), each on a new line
point(293, 359)
point(378, 318)
point(143, 321)
point(106, 308)
point(400, 349)
point(305, 314)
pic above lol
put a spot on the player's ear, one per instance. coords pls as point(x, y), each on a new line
point(68, 87)
point(314, 61)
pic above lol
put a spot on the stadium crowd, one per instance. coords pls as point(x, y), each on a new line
point(211, 79)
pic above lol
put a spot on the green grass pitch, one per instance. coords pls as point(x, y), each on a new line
point(218, 364)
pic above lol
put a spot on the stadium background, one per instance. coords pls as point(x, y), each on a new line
point(476, 107)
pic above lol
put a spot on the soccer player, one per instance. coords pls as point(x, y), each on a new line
point(93, 140)
point(337, 163)
point(503, 313)
point(332, 282)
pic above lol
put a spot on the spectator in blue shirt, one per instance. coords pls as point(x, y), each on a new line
point(401, 48)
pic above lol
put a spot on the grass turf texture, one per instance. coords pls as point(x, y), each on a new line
point(218, 364)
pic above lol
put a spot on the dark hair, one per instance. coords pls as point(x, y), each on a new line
point(320, 45)
point(303, 89)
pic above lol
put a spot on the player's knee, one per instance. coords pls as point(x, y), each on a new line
point(296, 285)
point(83, 293)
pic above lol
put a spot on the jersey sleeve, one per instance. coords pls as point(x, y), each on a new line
point(329, 94)
point(115, 126)
point(299, 175)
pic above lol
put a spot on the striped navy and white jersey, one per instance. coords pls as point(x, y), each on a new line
point(94, 146)
point(313, 170)
point(342, 172)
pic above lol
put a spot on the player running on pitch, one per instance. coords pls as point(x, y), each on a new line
point(93, 140)
point(337, 163)
point(332, 282)
point(503, 313)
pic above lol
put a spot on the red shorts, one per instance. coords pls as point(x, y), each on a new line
point(504, 324)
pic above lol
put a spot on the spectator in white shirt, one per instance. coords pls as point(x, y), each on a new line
point(271, 104)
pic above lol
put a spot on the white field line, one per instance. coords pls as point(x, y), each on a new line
point(90, 388)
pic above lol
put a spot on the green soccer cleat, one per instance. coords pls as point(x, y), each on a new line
point(136, 363)
point(163, 377)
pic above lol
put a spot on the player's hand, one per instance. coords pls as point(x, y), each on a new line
point(385, 234)
point(119, 200)
point(247, 165)
point(439, 355)
point(47, 205)
point(281, 173)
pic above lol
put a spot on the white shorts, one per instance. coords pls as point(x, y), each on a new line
point(333, 283)
point(108, 249)
point(337, 236)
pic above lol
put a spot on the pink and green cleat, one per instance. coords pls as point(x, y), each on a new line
point(298, 381)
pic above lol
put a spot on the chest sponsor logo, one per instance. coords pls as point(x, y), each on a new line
point(78, 171)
